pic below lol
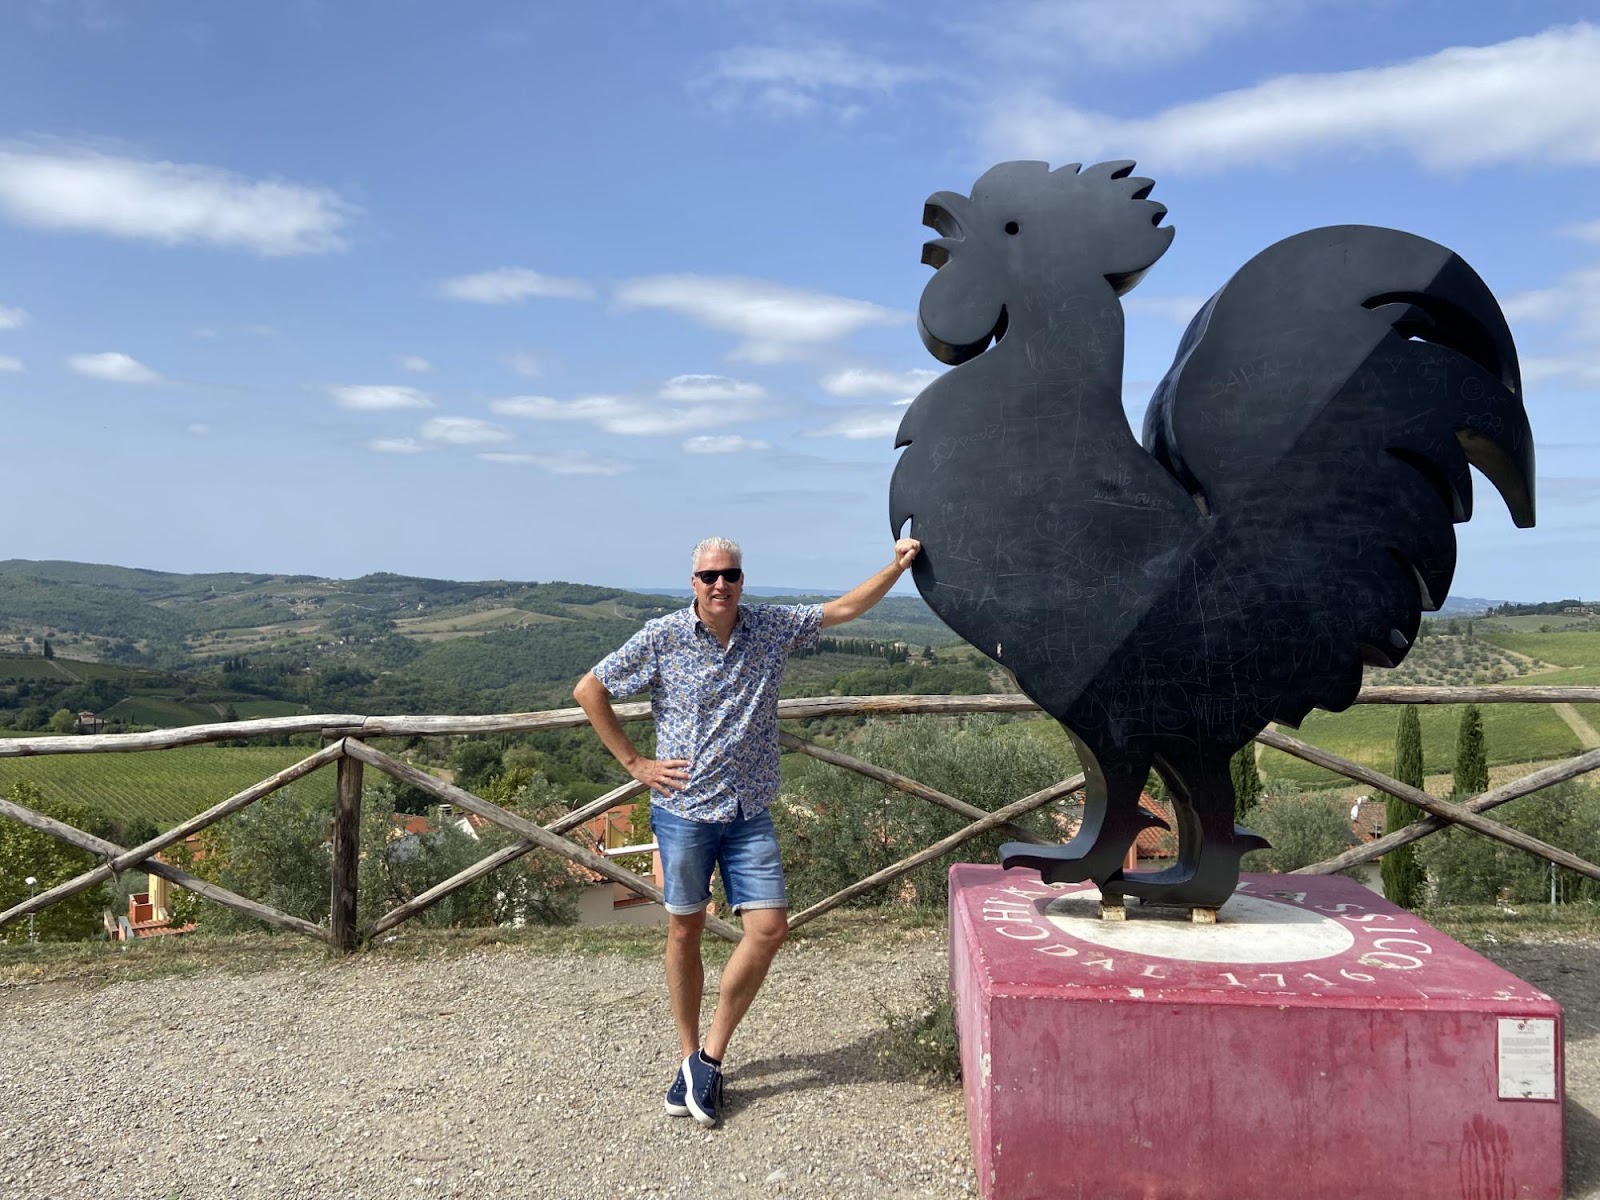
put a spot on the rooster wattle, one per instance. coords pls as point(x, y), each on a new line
point(1286, 520)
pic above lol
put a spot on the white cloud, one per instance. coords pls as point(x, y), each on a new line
point(402, 445)
point(1574, 302)
point(113, 367)
point(775, 321)
point(728, 443)
point(463, 431)
point(84, 191)
point(1574, 370)
point(1115, 31)
point(414, 363)
point(864, 424)
point(199, 429)
point(12, 318)
point(523, 363)
point(379, 397)
point(572, 462)
point(622, 414)
point(702, 389)
point(1588, 231)
point(1180, 310)
point(512, 285)
point(683, 404)
point(862, 383)
point(1529, 100)
point(10, 364)
point(797, 80)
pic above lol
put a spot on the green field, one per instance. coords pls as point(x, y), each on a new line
point(17, 667)
point(250, 710)
point(161, 711)
point(1577, 649)
point(163, 786)
point(1533, 622)
point(1365, 734)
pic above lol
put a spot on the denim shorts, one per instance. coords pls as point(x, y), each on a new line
point(745, 851)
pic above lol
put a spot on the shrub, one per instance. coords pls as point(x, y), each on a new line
point(278, 851)
point(1303, 829)
point(836, 826)
point(922, 1043)
point(1467, 868)
point(538, 888)
point(26, 852)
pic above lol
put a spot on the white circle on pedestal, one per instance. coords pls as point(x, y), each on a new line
point(1249, 929)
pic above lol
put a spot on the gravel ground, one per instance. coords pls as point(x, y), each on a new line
point(505, 1073)
point(498, 1073)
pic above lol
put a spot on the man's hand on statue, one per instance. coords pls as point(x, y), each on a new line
point(904, 551)
point(662, 774)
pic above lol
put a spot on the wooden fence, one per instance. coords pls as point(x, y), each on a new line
point(348, 751)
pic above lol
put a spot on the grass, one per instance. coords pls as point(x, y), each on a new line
point(164, 712)
point(163, 786)
point(1533, 622)
point(1476, 925)
point(1577, 649)
point(473, 622)
point(1365, 734)
point(250, 709)
point(29, 667)
point(922, 1043)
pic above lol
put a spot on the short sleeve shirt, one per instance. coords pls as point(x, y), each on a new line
point(716, 708)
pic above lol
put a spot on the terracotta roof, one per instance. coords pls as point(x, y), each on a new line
point(1157, 842)
point(1154, 842)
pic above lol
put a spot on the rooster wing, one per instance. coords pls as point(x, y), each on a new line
point(1323, 410)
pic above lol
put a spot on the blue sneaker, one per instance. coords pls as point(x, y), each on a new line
point(675, 1106)
point(704, 1093)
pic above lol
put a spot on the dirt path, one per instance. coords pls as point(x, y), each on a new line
point(1586, 734)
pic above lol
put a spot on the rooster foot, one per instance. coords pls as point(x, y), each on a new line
point(1092, 854)
point(1203, 878)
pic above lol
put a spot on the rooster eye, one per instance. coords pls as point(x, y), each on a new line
point(1013, 227)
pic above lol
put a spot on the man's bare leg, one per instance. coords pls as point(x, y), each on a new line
point(686, 976)
point(765, 930)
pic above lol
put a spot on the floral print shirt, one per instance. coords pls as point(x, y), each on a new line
point(716, 708)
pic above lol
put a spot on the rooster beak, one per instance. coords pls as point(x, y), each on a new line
point(943, 212)
point(936, 253)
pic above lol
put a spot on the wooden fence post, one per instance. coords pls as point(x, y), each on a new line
point(346, 856)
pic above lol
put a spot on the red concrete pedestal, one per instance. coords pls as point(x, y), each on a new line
point(1317, 1042)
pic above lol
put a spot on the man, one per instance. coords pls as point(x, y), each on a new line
point(713, 670)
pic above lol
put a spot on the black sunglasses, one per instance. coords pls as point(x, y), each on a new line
point(731, 574)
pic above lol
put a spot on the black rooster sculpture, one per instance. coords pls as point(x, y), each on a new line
point(1286, 521)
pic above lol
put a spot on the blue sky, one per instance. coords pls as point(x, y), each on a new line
point(497, 290)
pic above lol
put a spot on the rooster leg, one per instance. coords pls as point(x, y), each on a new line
point(1112, 819)
point(1210, 844)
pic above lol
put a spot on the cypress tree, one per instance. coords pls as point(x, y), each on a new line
point(1246, 781)
point(1402, 875)
point(1472, 756)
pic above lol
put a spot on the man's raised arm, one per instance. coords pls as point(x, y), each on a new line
point(864, 595)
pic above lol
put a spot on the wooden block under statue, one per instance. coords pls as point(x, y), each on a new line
point(1317, 1042)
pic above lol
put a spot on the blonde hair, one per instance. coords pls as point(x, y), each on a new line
point(716, 543)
